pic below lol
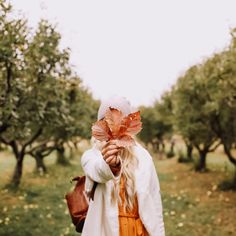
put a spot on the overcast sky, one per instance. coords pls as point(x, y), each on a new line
point(135, 48)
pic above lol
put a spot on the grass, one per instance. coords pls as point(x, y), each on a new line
point(38, 207)
point(193, 205)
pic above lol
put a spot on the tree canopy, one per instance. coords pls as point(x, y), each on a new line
point(43, 102)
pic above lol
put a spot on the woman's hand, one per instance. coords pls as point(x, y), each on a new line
point(109, 152)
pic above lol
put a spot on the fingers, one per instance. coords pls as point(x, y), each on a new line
point(110, 153)
point(111, 160)
point(111, 145)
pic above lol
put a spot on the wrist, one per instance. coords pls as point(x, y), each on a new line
point(115, 165)
point(115, 168)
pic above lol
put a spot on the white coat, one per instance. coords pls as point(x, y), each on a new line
point(102, 216)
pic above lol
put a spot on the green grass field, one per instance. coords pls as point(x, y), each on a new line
point(192, 203)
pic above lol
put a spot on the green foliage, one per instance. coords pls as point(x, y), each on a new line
point(205, 101)
point(164, 108)
point(43, 103)
point(192, 115)
point(156, 121)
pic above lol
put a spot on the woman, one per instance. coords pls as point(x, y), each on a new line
point(127, 200)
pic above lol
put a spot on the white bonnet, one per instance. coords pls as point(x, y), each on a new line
point(119, 102)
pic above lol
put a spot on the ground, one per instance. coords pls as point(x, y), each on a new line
point(193, 205)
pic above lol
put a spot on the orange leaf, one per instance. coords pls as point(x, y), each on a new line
point(133, 123)
point(114, 118)
point(117, 126)
point(101, 131)
point(125, 141)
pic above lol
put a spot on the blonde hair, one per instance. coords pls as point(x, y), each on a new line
point(129, 162)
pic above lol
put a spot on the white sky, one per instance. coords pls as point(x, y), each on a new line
point(135, 48)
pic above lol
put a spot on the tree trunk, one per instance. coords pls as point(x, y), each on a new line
point(18, 170)
point(189, 152)
point(172, 145)
point(229, 154)
point(40, 166)
point(232, 159)
point(61, 159)
point(155, 145)
point(201, 166)
point(72, 152)
point(234, 179)
point(163, 146)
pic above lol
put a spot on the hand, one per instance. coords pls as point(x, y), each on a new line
point(109, 152)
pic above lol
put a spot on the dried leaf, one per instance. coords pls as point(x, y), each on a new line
point(125, 141)
point(114, 118)
point(101, 131)
point(133, 123)
point(117, 126)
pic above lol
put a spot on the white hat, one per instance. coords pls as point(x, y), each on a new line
point(119, 102)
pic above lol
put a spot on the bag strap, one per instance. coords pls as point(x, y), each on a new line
point(93, 190)
point(91, 195)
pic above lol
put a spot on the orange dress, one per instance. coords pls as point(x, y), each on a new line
point(129, 222)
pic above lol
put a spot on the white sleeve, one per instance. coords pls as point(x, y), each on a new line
point(157, 201)
point(151, 203)
point(95, 167)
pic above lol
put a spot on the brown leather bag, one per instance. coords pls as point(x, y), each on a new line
point(77, 202)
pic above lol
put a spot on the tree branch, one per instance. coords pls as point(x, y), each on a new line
point(215, 147)
point(4, 141)
point(34, 137)
point(229, 154)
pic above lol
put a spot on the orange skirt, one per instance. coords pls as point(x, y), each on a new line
point(129, 222)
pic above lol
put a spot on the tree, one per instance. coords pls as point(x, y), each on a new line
point(192, 114)
point(222, 96)
point(43, 102)
point(164, 109)
point(155, 126)
point(13, 43)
